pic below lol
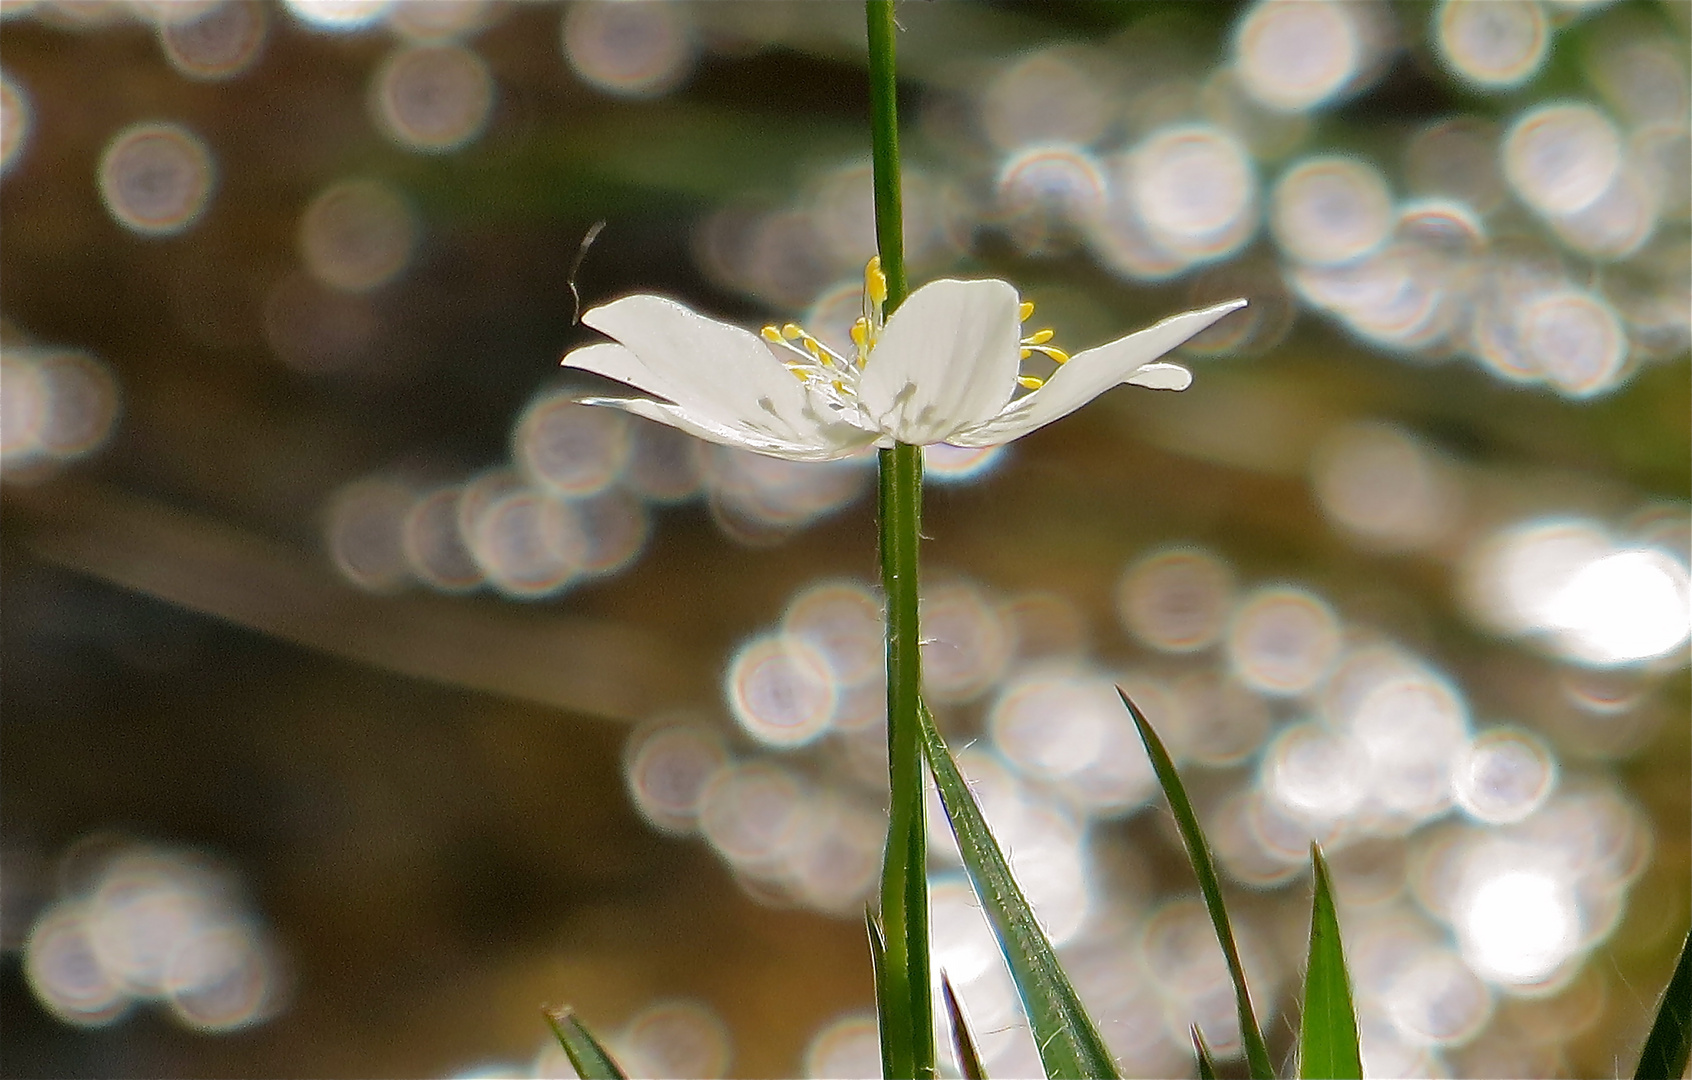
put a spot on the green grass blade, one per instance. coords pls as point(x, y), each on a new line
point(1198, 853)
point(1206, 1067)
point(969, 1060)
point(1068, 1041)
point(1665, 1053)
point(590, 1059)
point(884, 994)
point(1327, 1040)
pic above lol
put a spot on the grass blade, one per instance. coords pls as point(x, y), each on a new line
point(883, 993)
point(1327, 1040)
point(1206, 1067)
point(590, 1059)
point(1069, 1042)
point(1665, 1053)
point(1198, 853)
point(969, 1060)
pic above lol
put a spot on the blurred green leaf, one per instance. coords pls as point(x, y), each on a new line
point(1665, 1053)
point(1198, 853)
point(1069, 1043)
point(969, 1060)
point(1327, 1041)
point(1206, 1067)
point(590, 1059)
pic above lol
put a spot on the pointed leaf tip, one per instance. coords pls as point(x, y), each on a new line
point(1068, 1041)
point(1666, 1048)
point(969, 1060)
point(1206, 1067)
point(1327, 1046)
point(1210, 886)
point(587, 1056)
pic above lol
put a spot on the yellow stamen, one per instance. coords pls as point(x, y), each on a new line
point(1040, 338)
point(1026, 353)
point(792, 332)
point(860, 333)
point(772, 335)
point(797, 369)
point(1026, 310)
point(839, 387)
point(1030, 382)
point(1058, 355)
point(875, 282)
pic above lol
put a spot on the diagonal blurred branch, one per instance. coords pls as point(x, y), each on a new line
point(592, 666)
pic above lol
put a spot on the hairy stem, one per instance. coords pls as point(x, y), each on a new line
point(906, 1000)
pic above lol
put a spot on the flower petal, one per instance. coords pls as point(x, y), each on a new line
point(947, 359)
point(1089, 374)
point(1161, 376)
point(713, 370)
point(665, 413)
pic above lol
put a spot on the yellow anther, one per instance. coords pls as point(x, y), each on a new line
point(798, 371)
point(813, 348)
point(1030, 382)
point(860, 332)
point(1040, 338)
point(1057, 355)
point(1026, 311)
point(1026, 353)
point(839, 387)
point(875, 282)
point(772, 334)
point(792, 332)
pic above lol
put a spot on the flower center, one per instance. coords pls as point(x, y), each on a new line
point(824, 369)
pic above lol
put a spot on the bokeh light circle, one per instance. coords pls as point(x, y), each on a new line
point(529, 544)
point(676, 1038)
point(1177, 600)
point(338, 16)
point(638, 49)
point(432, 98)
point(780, 690)
point(1328, 210)
point(1492, 43)
point(434, 545)
point(357, 235)
point(1576, 340)
point(156, 179)
point(1294, 57)
point(1504, 776)
point(572, 449)
point(1560, 157)
point(220, 42)
point(1196, 191)
point(1282, 640)
point(666, 767)
point(17, 120)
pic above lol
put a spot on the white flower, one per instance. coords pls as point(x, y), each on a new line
point(944, 368)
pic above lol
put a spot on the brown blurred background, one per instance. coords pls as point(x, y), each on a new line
point(363, 693)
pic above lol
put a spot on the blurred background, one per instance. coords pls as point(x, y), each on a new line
point(363, 693)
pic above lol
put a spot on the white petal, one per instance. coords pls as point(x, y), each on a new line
point(618, 362)
point(704, 428)
point(1161, 376)
point(1089, 374)
point(711, 369)
point(947, 359)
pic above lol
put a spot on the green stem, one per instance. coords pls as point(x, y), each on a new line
point(884, 150)
point(906, 997)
